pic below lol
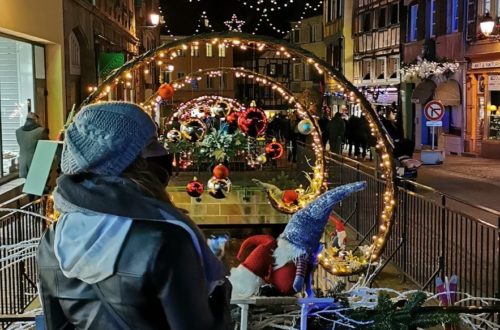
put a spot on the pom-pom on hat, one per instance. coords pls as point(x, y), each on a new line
point(305, 228)
point(105, 138)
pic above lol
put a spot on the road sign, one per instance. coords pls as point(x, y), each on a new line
point(433, 123)
point(434, 110)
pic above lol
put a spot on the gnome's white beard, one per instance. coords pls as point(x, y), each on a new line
point(244, 282)
point(286, 252)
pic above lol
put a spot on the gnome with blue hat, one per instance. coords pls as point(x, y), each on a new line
point(292, 260)
point(299, 242)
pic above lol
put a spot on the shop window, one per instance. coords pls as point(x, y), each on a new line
point(412, 23)
point(17, 79)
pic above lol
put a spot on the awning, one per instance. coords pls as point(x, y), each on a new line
point(423, 92)
point(448, 93)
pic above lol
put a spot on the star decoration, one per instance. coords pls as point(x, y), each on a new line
point(234, 24)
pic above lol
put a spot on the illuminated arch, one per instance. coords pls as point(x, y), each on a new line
point(281, 48)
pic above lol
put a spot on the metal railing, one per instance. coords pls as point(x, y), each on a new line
point(18, 269)
point(429, 238)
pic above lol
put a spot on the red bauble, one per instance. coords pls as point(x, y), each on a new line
point(232, 118)
point(274, 150)
point(290, 197)
point(194, 188)
point(166, 91)
point(252, 122)
point(220, 172)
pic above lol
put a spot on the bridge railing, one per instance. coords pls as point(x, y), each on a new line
point(432, 235)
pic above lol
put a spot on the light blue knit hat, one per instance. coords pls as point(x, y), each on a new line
point(105, 138)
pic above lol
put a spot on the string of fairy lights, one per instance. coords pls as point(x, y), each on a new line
point(166, 54)
point(264, 9)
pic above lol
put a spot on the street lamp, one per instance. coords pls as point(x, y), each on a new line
point(154, 18)
point(487, 25)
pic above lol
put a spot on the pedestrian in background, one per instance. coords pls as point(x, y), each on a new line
point(121, 255)
point(336, 133)
point(27, 137)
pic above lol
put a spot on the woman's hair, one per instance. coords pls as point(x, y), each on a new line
point(151, 177)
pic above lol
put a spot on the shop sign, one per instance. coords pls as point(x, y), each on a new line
point(494, 82)
point(485, 65)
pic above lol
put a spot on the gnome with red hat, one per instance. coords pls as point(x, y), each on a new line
point(294, 251)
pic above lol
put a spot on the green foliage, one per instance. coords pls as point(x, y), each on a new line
point(283, 181)
point(389, 315)
point(216, 147)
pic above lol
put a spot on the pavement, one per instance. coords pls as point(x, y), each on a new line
point(471, 185)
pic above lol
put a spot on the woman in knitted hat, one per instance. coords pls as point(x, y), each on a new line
point(121, 256)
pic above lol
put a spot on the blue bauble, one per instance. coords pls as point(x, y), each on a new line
point(305, 126)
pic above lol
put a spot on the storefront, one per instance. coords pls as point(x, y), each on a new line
point(22, 89)
point(31, 71)
point(484, 108)
point(448, 137)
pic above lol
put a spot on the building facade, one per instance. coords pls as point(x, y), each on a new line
point(308, 34)
point(434, 31)
point(265, 63)
point(483, 81)
point(100, 35)
point(199, 56)
point(31, 71)
point(376, 59)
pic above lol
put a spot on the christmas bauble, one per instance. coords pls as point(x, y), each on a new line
point(261, 159)
point(232, 117)
point(194, 188)
point(218, 188)
point(289, 197)
point(173, 136)
point(305, 126)
point(166, 91)
point(193, 129)
point(274, 149)
point(252, 122)
point(220, 172)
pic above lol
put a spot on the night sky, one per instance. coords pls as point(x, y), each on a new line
point(183, 17)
